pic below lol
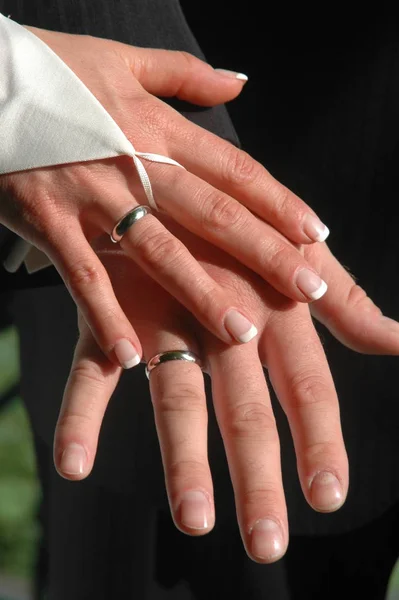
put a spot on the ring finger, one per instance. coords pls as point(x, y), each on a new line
point(168, 262)
point(178, 396)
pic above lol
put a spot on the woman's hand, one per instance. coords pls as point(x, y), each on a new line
point(224, 196)
point(287, 345)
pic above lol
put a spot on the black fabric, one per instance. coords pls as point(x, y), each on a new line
point(356, 564)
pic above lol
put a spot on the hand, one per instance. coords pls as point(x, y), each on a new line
point(290, 348)
point(222, 197)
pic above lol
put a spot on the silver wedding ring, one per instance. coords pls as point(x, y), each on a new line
point(127, 221)
point(163, 357)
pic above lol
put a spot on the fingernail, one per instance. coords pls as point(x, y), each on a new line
point(73, 460)
point(311, 284)
point(126, 353)
point(326, 492)
point(267, 540)
point(195, 512)
point(239, 326)
point(233, 74)
point(315, 229)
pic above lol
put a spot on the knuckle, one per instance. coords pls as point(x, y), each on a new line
point(268, 497)
point(239, 168)
point(185, 397)
point(281, 196)
point(359, 300)
point(35, 201)
point(159, 250)
point(186, 66)
point(287, 206)
point(91, 379)
point(252, 419)
point(208, 302)
point(82, 276)
point(309, 389)
point(284, 205)
point(220, 213)
point(182, 469)
point(41, 217)
point(74, 421)
point(320, 452)
point(89, 374)
point(356, 296)
point(149, 112)
point(189, 59)
point(277, 257)
point(153, 116)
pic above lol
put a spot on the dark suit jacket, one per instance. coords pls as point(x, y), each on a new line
point(321, 111)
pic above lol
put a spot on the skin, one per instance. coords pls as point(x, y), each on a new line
point(223, 196)
point(287, 345)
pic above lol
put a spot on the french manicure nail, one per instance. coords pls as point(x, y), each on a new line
point(315, 229)
point(233, 74)
point(195, 512)
point(126, 353)
point(326, 492)
point(266, 540)
point(239, 326)
point(73, 460)
point(311, 284)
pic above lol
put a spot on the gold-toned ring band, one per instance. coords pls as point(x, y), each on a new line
point(163, 357)
point(127, 221)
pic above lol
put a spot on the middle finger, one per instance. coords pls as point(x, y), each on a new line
point(178, 397)
point(247, 424)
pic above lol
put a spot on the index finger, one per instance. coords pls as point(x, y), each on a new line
point(235, 172)
point(299, 372)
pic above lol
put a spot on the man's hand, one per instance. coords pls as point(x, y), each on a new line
point(287, 345)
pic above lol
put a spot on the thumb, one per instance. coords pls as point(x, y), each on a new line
point(347, 311)
point(170, 73)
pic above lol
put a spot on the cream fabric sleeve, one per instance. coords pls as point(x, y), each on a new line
point(49, 117)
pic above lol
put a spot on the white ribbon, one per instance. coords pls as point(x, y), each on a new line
point(49, 117)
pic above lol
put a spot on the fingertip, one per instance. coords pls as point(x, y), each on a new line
point(126, 354)
point(326, 493)
point(195, 514)
point(72, 463)
point(267, 543)
point(314, 229)
point(241, 77)
point(319, 292)
point(240, 327)
point(211, 87)
point(310, 284)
